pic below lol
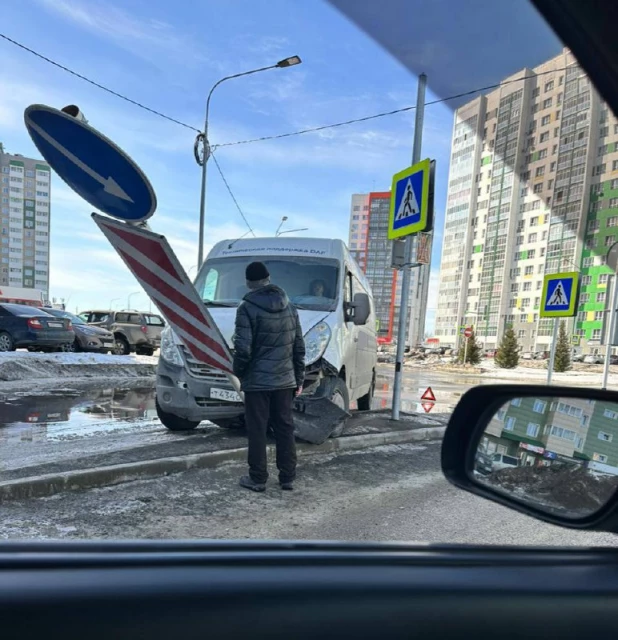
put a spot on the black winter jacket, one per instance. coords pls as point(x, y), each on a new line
point(269, 350)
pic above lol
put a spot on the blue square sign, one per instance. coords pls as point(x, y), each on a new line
point(411, 200)
point(559, 295)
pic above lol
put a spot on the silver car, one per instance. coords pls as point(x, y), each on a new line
point(87, 337)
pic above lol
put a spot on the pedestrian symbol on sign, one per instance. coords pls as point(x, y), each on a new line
point(408, 205)
point(558, 297)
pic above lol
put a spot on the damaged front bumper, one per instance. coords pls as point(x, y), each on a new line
point(198, 392)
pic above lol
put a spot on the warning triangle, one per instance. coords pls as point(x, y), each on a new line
point(409, 204)
point(428, 395)
point(558, 298)
point(427, 406)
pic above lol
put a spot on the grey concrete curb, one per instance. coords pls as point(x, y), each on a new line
point(50, 484)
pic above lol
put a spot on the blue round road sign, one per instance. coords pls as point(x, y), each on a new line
point(91, 164)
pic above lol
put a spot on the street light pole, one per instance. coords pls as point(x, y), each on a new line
point(292, 231)
point(129, 298)
point(405, 279)
point(287, 62)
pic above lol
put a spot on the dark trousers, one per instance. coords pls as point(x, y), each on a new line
point(276, 405)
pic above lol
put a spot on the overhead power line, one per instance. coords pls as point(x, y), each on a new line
point(383, 114)
point(333, 125)
point(96, 84)
point(225, 182)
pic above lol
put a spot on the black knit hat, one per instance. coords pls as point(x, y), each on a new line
point(256, 271)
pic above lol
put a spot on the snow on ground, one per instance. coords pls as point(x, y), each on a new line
point(530, 374)
point(23, 365)
point(75, 358)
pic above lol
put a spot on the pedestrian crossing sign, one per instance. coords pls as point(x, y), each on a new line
point(411, 208)
point(560, 295)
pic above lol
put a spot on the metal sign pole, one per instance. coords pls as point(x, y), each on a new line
point(405, 279)
point(465, 351)
point(611, 327)
point(552, 352)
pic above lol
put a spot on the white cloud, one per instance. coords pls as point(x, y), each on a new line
point(139, 35)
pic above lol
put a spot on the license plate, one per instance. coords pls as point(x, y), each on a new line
point(55, 325)
point(224, 394)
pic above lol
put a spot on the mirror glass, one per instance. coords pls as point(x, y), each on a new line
point(556, 454)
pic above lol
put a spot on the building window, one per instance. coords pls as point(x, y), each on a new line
point(602, 278)
point(545, 135)
point(516, 402)
point(542, 154)
point(545, 121)
point(612, 221)
point(606, 437)
point(599, 457)
point(532, 430)
point(539, 406)
point(538, 188)
point(509, 425)
point(608, 413)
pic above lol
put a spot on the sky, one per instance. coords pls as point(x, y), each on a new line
point(168, 55)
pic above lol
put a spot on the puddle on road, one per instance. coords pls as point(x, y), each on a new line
point(447, 392)
point(62, 413)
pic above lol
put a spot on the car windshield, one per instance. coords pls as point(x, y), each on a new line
point(310, 283)
point(475, 249)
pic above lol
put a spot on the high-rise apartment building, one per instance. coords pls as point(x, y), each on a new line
point(372, 250)
point(24, 233)
point(533, 190)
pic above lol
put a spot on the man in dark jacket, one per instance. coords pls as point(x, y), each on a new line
point(269, 360)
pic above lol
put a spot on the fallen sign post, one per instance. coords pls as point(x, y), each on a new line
point(559, 301)
point(108, 179)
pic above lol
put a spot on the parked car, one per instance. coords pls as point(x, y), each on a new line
point(484, 463)
point(490, 353)
point(541, 355)
point(577, 357)
point(502, 461)
point(25, 326)
point(593, 359)
point(134, 331)
point(87, 337)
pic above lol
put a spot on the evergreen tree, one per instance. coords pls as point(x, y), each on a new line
point(473, 352)
point(562, 359)
point(507, 356)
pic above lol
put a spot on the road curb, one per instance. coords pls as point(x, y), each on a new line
point(51, 484)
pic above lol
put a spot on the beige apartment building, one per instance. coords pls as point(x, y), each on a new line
point(25, 185)
point(533, 189)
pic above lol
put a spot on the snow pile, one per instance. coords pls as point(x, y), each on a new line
point(561, 486)
point(22, 365)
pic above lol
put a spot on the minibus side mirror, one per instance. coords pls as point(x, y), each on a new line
point(361, 309)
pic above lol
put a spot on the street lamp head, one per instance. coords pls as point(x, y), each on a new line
point(289, 62)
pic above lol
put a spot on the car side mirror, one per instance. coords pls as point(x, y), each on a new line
point(549, 452)
point(361, 309)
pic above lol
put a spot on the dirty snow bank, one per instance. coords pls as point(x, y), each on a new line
point(22, 365)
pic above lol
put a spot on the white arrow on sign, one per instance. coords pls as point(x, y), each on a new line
point(109, 184)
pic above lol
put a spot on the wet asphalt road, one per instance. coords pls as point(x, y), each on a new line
point(388, 493)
